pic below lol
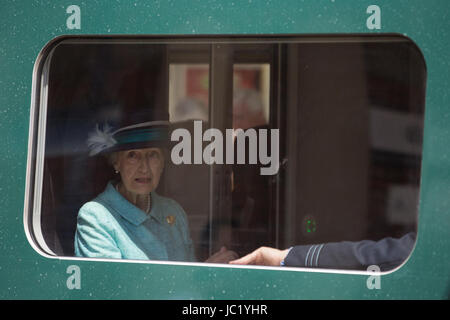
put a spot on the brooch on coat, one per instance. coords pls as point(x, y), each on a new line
point(170, 219)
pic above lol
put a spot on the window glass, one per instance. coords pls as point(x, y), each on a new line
point(189, 102)
point(251, 219)
point(175, 150)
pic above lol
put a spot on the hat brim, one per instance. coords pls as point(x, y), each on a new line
point(140, 136)
point(135, 146)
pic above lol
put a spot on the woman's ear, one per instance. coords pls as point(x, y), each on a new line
point(116, 167)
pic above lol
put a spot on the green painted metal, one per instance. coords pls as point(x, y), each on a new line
point(27, 26)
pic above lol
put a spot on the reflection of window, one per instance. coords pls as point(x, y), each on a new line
point(349, 115)
point(188, 92)
point(250, 95)
point(189, 101)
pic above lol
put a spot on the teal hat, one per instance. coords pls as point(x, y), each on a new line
point(132, 134)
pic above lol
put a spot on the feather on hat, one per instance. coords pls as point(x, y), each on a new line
point(132, 136)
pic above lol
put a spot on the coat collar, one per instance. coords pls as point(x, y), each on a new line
point(129, 211)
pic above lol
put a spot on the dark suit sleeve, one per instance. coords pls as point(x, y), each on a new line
point(386, 253)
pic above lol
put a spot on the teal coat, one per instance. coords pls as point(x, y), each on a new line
point(111, 227)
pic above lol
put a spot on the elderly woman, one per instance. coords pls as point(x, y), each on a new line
point(129, 220)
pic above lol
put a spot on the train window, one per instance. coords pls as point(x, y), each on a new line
point(173, 148)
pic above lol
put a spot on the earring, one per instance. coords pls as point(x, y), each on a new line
point(116, 171)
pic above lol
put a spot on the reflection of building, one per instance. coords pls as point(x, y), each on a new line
point(188, 92)
point(250, 95)
point(189, 95)
point(190, 108)
point(248, 109)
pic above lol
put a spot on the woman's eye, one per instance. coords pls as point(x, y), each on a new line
point(154, 154)
point(132, 155)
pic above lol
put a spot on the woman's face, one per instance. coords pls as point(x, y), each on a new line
point(140, 169)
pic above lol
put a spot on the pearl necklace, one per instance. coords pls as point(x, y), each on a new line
point(148, 200)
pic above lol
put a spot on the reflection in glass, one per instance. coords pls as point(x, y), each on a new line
point(349, 113)
point(188, 102)
point(188, 92)
point(250, 95)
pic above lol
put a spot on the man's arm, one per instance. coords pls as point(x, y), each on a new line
point(386, 253)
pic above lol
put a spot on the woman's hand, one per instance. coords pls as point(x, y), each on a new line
point(222, 256)
point(264, 256)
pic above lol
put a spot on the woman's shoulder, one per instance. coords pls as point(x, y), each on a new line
point(95, 210)
point(168, 203)
point(92, 206)
point(169, 208)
